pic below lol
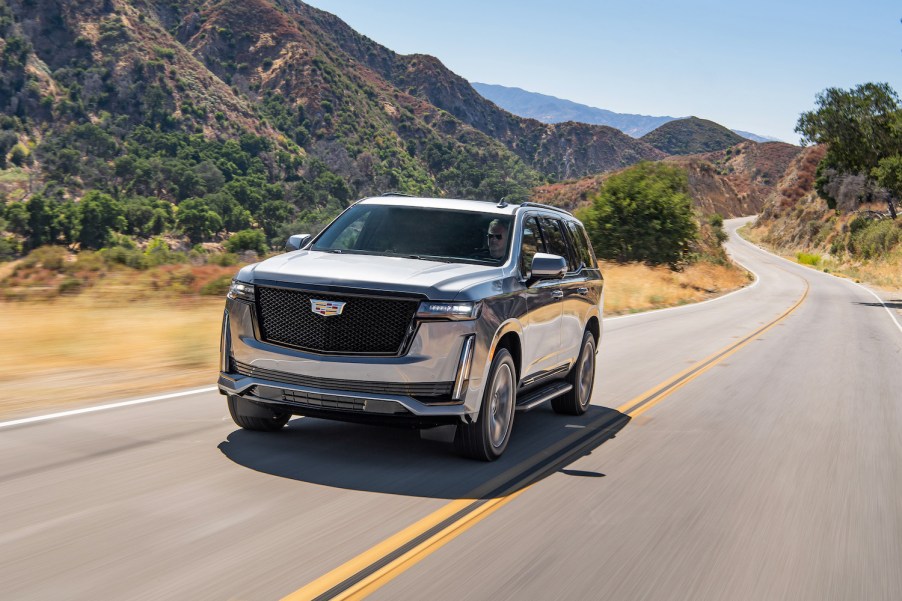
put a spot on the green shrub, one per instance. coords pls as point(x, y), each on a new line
point(223, 259)
point(877, 239)
point(808, 259)
point(90, 261)
point(130, 257)
point(217, 287)
point(9, 248)
point(70, 285)
point(159, 253)
point(254, 240)
point(48, 257)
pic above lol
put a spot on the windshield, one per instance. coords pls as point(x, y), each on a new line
point(420, 233)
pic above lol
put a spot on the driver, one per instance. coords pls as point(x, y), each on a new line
point(497, 239)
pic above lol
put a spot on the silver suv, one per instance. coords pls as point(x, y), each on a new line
point(419, 312)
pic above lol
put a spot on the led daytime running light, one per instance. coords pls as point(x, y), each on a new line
point(440, 310)
point(241, 291)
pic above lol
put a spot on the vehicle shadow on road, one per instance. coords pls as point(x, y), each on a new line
point(400, 462)
point(892, 304)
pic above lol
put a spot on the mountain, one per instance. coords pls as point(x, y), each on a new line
point(733, 182)
point(563, 150)
point(691, 136)
point(755, 137)
point(325, 101)
point(549, 109)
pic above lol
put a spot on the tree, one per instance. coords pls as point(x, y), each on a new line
point(99, 216)
point(197, 220)
point(861, 127)
point(254, 240)
point(643, 214)
point(41, 221)
point(273, 214)
point(17, 215)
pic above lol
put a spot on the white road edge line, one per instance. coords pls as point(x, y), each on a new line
point(162, 397)
point(690, 305)
point(829, 275)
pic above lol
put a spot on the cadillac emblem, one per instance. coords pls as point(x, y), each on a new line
point(326, 308)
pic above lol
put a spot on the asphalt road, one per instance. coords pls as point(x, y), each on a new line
point(770, 469)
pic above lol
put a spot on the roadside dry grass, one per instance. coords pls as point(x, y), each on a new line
point(80, 350)
point(74, 351)
point(634, 287)
point(884, 273)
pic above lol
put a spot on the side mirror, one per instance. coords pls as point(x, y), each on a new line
point(297, 242)
point(547, 267)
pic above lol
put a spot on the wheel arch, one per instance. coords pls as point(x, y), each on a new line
point(509, 336)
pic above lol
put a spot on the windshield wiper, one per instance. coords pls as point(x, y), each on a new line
point(439, 258)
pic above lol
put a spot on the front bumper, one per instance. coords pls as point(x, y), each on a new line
point(423, 385)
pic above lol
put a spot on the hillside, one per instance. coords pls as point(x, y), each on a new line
point(691, 136)
point(550, 109)
point(244, 113)
point(856, 239)
point(732, 182)
point(557, 150)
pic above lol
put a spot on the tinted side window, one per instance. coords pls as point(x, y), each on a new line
point(532, 243)
point(556, 240)
point(581, 244)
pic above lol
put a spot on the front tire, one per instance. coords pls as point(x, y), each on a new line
point(263, 420)
point(582, 378)
point(487, 437)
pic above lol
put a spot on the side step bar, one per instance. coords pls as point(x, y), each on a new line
point(537, 397)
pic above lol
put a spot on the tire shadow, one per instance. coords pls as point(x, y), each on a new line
point(400, 462)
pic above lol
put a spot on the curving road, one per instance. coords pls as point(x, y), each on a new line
point(745, 448)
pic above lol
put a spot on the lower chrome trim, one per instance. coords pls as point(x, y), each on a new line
point(225, 344)
point(269, 391)
point(463, 369)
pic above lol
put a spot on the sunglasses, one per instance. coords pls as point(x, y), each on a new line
point(495, 236)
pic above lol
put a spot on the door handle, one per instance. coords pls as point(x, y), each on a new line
point(557, 294)
point(583, 291)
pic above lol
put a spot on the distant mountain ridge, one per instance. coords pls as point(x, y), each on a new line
point(550, 109)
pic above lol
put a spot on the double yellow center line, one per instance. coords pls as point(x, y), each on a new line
point(377, 566)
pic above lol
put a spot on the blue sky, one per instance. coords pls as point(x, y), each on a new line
point(752, 66)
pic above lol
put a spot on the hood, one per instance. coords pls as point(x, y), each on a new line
point(435, 280)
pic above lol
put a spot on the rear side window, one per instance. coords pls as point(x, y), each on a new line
point(532, 243)
point(556, 240)
point(581, 245)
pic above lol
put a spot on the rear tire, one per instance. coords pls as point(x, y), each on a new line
point(582, 378)
point(487, 437)
point(238, 408)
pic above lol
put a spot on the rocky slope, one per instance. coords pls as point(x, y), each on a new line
point(733, 182)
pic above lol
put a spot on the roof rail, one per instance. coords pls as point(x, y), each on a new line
point(394, 193)
point(549, 207)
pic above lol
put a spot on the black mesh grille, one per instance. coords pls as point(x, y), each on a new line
point(367, 325)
